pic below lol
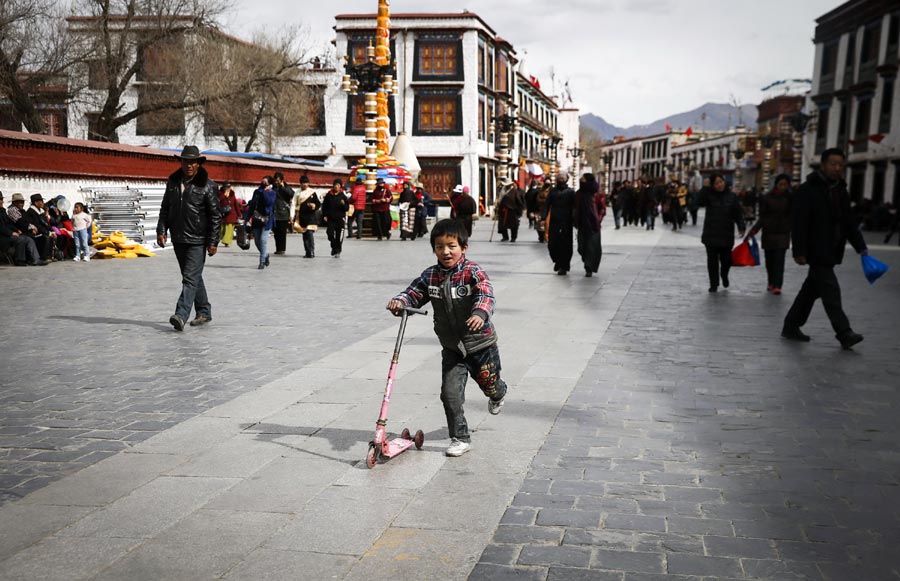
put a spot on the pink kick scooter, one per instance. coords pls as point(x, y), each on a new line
point(380, 446)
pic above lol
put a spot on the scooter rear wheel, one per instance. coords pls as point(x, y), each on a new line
point(419, 439)
point(372, 456)
point(405, 434)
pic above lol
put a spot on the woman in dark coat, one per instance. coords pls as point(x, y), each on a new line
point(723, 212)
point(261, 215)
point(775, 223)
point(590, 207)
point(560, 215)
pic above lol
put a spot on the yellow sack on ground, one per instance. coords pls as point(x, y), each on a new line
point(127, 245)
point(103, 243)
point(118, 237)
point(142, 251)
point(106, 253)
point(126, 254)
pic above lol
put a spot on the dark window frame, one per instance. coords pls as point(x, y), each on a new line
point(454, 95)
point(350, 128)
point(424, 39)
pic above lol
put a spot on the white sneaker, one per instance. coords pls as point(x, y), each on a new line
point(87, 258)
point(77, 259)
point(494, 406)
point(457, 448)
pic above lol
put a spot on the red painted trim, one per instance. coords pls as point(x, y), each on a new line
point(61, 158)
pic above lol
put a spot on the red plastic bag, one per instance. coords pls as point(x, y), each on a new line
point(741, 255)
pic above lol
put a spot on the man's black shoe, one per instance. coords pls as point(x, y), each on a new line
point(794, 335)
point(177, 322)
point(849, 339)
point(200, 320)
point(725, 281)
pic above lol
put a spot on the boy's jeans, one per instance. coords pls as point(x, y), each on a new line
point(484, 367)
point(81, 243)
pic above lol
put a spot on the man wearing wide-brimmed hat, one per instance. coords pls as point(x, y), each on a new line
point(44, 236)
point(11, 237)
point(190, 212)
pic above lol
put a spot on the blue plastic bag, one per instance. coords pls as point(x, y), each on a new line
point(873, 268)
point(754, 250)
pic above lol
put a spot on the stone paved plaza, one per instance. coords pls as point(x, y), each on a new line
point(652, 431)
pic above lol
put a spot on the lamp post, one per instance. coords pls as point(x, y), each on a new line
point(607, 170)
point(506, 124)
point(576, 153)
point(798, 124)
point(552, 145)
point(767, 141)
point(739, 152)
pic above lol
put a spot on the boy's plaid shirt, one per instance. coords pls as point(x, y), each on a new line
point(465, 274)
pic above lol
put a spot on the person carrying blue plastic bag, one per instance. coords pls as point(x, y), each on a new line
point(821, 227)
point(873, 268)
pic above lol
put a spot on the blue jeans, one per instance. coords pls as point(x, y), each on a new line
point(484, 367)
point(261, 239)
point(81, 242)
point(191, 259)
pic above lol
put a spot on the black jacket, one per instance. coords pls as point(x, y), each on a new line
point(561, 207)
point(334, 207)
point(822, 222)
point(38, 220)
point(192, 216)
point(774, 221)
point(284, 194)
point(723, 212)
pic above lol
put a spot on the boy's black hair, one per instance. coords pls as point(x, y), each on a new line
point(452, 228)
point(337, 181)
point(831, 151)
point(278, 174)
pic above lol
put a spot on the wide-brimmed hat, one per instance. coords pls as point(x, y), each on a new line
point(458, 189)
point(191, 153)
point(36, 198)
point(505, 181)
point(18, 198)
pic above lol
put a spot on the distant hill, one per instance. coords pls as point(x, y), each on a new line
point(709, 117)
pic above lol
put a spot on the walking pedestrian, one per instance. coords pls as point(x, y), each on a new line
point(228, 205)
point(696, 184)
point(616, 203)
point(261, 216)
point(381, 210)
point(465, 209)
point(723, 212)
point(531, 209)
point(284, 196)
point(822, 224)
point(590, 208)
point(307, 208)
point(541, 224)
point(408, 204)
point(81, 231)
point(512, 202)
point(775, 223)
point(357, 207)
point(894, 227)
point(190, 211)
point(560, 217)
point(334, 211)
point(463, 300)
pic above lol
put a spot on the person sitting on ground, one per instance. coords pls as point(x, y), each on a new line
point(463, 300)
point(12, 238)
point(45, 238)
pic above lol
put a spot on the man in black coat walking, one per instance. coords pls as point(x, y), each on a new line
point(190, 211)
point(822, 225)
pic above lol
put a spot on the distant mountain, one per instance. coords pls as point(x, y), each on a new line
point(709, 117)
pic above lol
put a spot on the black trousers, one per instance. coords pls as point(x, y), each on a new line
point(335, 232)
point(381, 223)
point(718, 260)
point(820, 283)
point(280, 234)
point(309, 243)
point(775, 266)
point(484, 367)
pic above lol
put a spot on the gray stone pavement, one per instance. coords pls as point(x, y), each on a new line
point(652, 429)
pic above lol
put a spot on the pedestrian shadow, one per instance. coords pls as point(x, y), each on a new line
point(341, 440)
point(111, 321)
point(244, 266)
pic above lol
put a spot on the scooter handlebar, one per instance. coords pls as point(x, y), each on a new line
point(415, 311)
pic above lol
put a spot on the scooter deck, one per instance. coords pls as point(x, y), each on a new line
point(396, 446)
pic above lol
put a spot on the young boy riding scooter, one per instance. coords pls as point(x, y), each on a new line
point(463, 301)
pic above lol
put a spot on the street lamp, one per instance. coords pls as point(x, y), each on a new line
point(798, 124)
point(506, 124)
point(739, 153)
point(552, 144)
point(607, 168)
point(576, 153)
point(767, 141)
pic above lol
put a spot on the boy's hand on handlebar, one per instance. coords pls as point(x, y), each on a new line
point(395, 306)
point(475, 323)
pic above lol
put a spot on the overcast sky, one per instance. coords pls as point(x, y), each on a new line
point(628, 61)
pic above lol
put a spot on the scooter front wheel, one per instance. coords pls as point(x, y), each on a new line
point(372, 456)
point(419, 439)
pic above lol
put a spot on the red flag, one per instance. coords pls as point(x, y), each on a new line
point(668, 127)
point(689, 132)
point(877, 137)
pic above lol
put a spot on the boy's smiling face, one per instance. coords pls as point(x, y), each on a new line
point(448, 251)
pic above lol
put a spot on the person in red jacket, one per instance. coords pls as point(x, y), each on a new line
point(358, 201)
point(381, 207)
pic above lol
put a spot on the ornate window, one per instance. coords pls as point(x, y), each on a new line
point(438, 57)
point(437, 113)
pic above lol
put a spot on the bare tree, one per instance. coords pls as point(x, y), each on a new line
point(592, 143)
point(34, 50)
